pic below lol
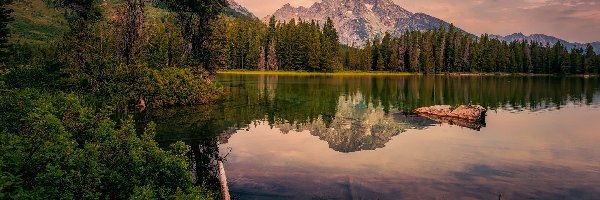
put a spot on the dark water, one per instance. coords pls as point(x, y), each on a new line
point(353, 137)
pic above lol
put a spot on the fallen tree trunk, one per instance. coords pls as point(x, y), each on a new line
point(223, 178)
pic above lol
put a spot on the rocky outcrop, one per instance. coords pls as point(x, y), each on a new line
point(236, 9)
point(472, 117)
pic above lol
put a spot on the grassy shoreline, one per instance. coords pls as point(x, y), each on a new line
point(305, 73)
point(383, 73)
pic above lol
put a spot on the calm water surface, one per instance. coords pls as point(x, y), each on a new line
point(353, 137)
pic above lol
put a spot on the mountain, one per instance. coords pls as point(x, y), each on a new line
point(545, 40)
point(357, 21)
point(236, 9)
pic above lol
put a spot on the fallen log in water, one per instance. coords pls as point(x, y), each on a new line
point(465, 116)
point(223, 178)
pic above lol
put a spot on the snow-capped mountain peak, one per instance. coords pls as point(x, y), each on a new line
point(358, 21)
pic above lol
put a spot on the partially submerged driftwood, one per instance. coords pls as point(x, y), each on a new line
point(223, 178)
point(472, 117)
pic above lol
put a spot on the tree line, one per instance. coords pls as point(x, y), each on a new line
point(309, 46)
point(294, 45)
point(448, 51)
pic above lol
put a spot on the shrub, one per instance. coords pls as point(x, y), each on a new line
point(160, 87)
point(53, 146)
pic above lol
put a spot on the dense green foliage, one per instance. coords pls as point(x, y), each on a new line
point(194, 19)
point(120, 54)
point(59, 99)
point(294, 45)
point(54, 146)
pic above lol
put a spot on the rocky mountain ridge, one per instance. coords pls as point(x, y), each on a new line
point(545, 40)
point(358, 21)
point(236, 9)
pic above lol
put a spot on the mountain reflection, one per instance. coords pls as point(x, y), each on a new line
point(357, 125)
point(364, 113)
point(354, 113)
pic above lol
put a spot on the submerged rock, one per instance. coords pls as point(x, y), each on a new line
point(472, 116)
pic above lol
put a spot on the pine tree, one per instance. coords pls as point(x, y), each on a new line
point(272, 32)
point(282, 43)
point(458, 54)
point(596, 62)
point(427, 58)
point(440, 49)
point(449, 50)
point(528, 59)
point(195, 20)
point(330, 46)
point(255, 42)
point(380, 62)
point(385, 50)
point(466, 54)
point(394, 59)
point(366, 57)
point(576, 60)
point(415, 52)
point(272, 63)
point(217, 43)
point(590, 55)
point(261, 59)
point(402, 55)
point(315, 61)
point(558, 60)
point(375, 54)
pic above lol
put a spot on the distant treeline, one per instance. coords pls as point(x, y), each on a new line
point(447, 51)
point(305, 45)
point(302, 45)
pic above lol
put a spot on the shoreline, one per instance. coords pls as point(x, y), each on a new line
point(386, 73)
point(306, 73)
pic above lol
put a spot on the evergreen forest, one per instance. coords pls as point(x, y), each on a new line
point(73, 71)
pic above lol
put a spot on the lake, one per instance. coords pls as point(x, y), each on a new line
point(354, 137)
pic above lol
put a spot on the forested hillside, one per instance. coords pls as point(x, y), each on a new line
point(244, 42)
point(72, 71)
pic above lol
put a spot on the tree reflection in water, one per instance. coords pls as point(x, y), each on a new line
point(350, 113)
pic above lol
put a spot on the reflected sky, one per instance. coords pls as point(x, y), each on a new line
point(353, 137)
point(547, 155)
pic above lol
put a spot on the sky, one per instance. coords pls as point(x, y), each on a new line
point(572, 20)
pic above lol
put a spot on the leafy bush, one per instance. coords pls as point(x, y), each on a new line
point(160, 87)
point(174, 86)
point(53, 146)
